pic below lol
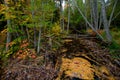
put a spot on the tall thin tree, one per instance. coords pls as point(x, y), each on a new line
point(105, 21)
point(8, 26)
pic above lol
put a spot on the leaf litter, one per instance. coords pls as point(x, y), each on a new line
point(76, 59)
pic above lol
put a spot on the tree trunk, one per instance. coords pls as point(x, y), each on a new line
point(105, 22)
point(110, 19)
point(35, 40)
point(94, 13)
point(68, 25)
point(91, 12)
point(86, 20)
point(40, 27)
point(8, 26)
point(39, 40)
point(8, 36)
point(61, 15)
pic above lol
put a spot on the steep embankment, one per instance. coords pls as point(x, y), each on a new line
point(87, 59)
point(81, 58)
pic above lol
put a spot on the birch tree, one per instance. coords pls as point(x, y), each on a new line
point(95, 13)
point(86, 20)
point(34, 27)
point(61, 15)
point(113, 10)
point(105, 21)
point(68, 25)
point(8, 26)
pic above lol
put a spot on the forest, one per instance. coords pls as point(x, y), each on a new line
point(59, 40)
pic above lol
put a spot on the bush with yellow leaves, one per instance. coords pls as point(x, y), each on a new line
point(56, 29)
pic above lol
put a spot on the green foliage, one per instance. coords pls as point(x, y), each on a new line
point(76, 19)
point(55, 36)
point(115, 45)
point(14, 47)
point(116, 35)
point(115, 50)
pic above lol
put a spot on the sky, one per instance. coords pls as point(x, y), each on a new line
point(63, 4)
point(84, 1)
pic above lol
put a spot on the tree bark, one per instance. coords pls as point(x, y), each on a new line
point(113, 9)
point(95, 13)
point(39, 40)
point(61, 15)
point(40, 27)
point(68, 25)
point(85, 18)
point(105, 22)
point(32, 11)
point(8, 26)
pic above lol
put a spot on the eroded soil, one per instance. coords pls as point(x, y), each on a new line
point(77, 59)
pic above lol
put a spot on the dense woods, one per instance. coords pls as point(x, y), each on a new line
point(59, 39)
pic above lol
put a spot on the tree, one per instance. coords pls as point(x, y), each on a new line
point(95, 13)
point(33, 14)
point(68, 25)
point(8, 26)
point(105, 21)
point(86, 20)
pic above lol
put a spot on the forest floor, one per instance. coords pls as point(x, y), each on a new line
point(76, 59)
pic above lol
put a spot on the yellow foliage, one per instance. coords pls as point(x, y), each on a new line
point(64, 50)
point(104, 70)
point(8, 1)
point(2, 8)
point(93, 33)
point(4, 31)
point(3, 36)
point(67, 40)
point(77, 67)
point(56, 29)
point(9, 16)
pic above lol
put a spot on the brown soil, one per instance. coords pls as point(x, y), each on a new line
point(77, 59)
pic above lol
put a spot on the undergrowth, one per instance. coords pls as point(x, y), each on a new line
point(114, 47)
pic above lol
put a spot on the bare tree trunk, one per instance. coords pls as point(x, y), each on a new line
point(68, 25)
point(8, 36)
point(91, 12)
point(8, 26)
point(100, 21)
point(87, 20)
point(116, 15)
point(94, 13)
point(85, 13)
point(35, 40)
point(39, 40)
point(110, 19)
point(105, 22)
point(28, 35)
point(40, 27)
point(61, 15)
